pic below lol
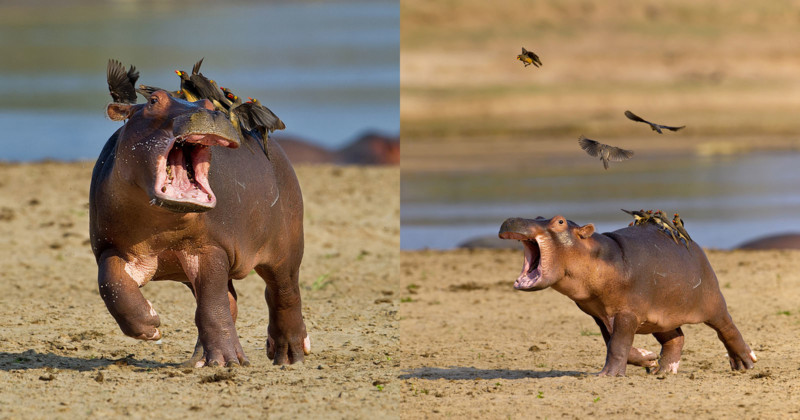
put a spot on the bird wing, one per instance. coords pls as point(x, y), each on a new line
point(616, 154)
point(634, 117)
point(524, 51)
point(264, 117)
point(590, 146)
point(670, 128)
point(196, 68)
point(121, 83)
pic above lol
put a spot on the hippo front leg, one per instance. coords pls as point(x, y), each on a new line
point(120, 292)
point(214, 318)
point(197, 355)
point(619, 344)
point(671, 347)
point(287, 339)
point(637, 356)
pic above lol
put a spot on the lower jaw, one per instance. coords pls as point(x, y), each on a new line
point(182, 206)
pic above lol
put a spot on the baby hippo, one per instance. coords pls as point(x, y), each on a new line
point(635, 280)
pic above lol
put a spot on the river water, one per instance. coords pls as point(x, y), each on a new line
point(329, 70)
point(724, 201)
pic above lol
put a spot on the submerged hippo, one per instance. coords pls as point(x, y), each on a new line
point(173, 199)
point(635, 280)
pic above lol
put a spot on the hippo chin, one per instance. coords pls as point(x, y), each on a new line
point(173, 198)
point(635, 280)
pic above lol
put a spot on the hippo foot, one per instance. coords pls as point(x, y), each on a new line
point(217, 354)
point(283, 351)
point(142, 326)
point(643, 358)
point(743, 361)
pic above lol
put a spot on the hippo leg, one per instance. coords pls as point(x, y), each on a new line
point(739, 353)
point(619, 344)
point(637, 356)
point(198, 347)
point(120, 292)
point(671, 346)
point(287, 339)
point(214, 318)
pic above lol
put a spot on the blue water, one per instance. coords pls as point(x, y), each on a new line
point(724, 201)
point(329, 70)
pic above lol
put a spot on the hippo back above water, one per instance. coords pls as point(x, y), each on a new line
point(173, 197)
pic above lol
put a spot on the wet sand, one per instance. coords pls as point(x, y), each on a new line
point(63, 356)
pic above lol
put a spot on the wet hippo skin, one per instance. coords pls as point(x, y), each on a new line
point(173, 197)
point(635, 280)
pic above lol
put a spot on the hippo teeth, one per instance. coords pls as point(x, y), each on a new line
point(183, 173)
point(532, 267)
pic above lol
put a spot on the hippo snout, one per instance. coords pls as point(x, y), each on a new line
point(519, 228)
point(205, 123)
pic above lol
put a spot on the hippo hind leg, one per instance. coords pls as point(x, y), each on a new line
point(636, 356)
point(197, 355)
point(287, 339)
point(739, 354)
point(671, 347)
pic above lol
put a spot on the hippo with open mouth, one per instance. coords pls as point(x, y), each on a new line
point(635, 280)
point(173, 198)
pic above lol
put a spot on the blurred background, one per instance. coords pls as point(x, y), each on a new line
point(328, 69)
point(485, 138)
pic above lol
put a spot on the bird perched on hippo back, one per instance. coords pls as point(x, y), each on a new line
point(640, 217)
point(655, 127)
point(529, 57)
point(604, 151)
point(121, 84)
point(630, 281)
point(678, 223)
point(195, 86)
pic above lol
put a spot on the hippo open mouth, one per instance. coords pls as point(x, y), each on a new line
point(533, 268)
point(182, 174)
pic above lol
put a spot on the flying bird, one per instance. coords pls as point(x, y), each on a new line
point(529, 57)
point(654, 126)
point(122, 84)
point(604, 151)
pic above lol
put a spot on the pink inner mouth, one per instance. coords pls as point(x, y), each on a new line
point(182, 173)
point(532, 267)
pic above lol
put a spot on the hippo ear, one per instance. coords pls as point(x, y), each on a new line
point(118, 112)
point(585, 231)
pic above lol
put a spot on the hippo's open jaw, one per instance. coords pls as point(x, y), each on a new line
point(532, 267)
point(530, 278)
point(181, 182)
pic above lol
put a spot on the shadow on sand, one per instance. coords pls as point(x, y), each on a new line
point(458, 372)
point(31, 359)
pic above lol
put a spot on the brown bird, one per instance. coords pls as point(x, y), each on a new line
point(121, 84)
point(639, 217)
point(146, 91)
point(676, 220)
point(604, 151)
point(654, 126)
point(529, 57)
point(662, 221)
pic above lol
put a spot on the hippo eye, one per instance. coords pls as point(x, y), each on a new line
point(153, 100)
